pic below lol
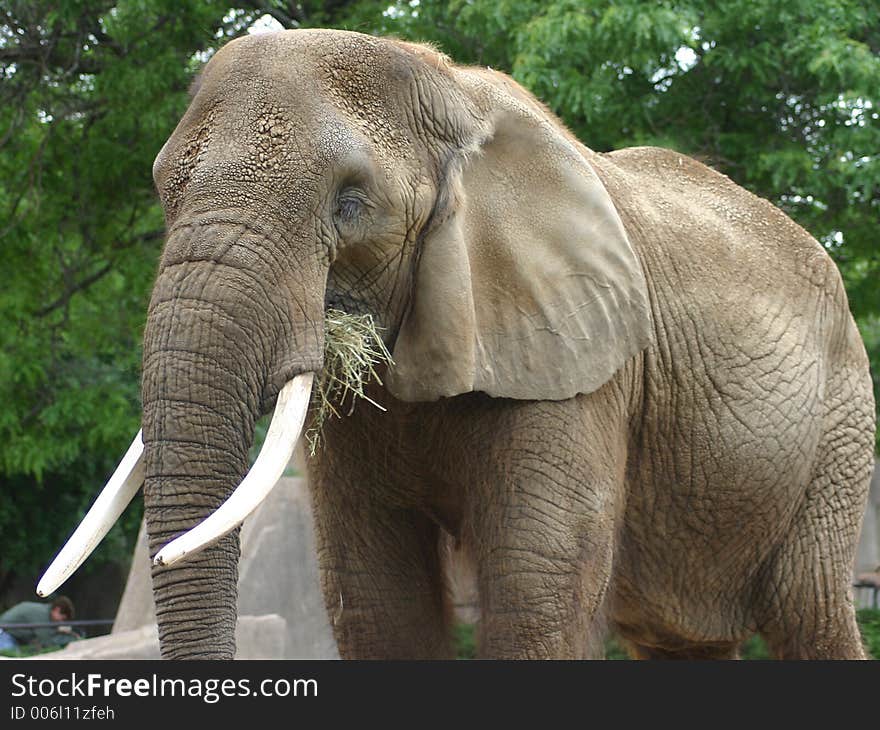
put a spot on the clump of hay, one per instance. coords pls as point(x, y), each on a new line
point(353, 350)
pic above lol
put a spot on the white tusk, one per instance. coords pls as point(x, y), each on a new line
point(111, 503)
point(284, 431)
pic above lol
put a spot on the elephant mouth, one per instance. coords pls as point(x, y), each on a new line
point(354, 351)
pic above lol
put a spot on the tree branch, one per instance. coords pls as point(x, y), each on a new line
point(73, 289)
point(85, 283)
point(286, 20)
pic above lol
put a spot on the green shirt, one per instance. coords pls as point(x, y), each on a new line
point(31, 612)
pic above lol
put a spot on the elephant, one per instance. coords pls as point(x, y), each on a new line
point(628, 390)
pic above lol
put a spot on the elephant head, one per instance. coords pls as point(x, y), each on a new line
point(319, 169)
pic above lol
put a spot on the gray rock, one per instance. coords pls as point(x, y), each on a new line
point(140, 643)
point(262, 637)
point(868, 554)
point(278, 572)
point(136, 607)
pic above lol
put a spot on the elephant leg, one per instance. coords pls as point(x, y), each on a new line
point(381, 577)
point(810, 613)
point(543, 534)
point(538, 602)
point(808, 583)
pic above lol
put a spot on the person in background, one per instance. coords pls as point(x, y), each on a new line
point(31, 612)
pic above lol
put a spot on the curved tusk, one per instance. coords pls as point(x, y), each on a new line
point(110, 504)
point(284, 431)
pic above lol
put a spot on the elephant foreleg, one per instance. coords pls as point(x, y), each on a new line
point(536, 606)
point(543, 536)
point(381, 577)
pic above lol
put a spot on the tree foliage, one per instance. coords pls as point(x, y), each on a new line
point(782, 97)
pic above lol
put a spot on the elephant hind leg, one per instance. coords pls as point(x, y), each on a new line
point(813, 618)
point(808, 610)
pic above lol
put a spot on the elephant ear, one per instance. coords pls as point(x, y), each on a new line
point(527, 287)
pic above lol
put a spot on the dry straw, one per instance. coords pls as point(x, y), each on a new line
point(353, 349)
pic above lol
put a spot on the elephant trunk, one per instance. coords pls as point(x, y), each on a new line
point(211, 359)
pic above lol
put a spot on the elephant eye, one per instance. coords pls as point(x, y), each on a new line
point(349, 206)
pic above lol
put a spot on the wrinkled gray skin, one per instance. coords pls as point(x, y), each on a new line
point(630, 390)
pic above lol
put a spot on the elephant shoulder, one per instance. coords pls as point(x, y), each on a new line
point(723, 246)
point(661, 161)
point(675, 174)
point(661, 189)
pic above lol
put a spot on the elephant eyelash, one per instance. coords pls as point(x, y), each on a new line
point(349, 206)
point(347, 210)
